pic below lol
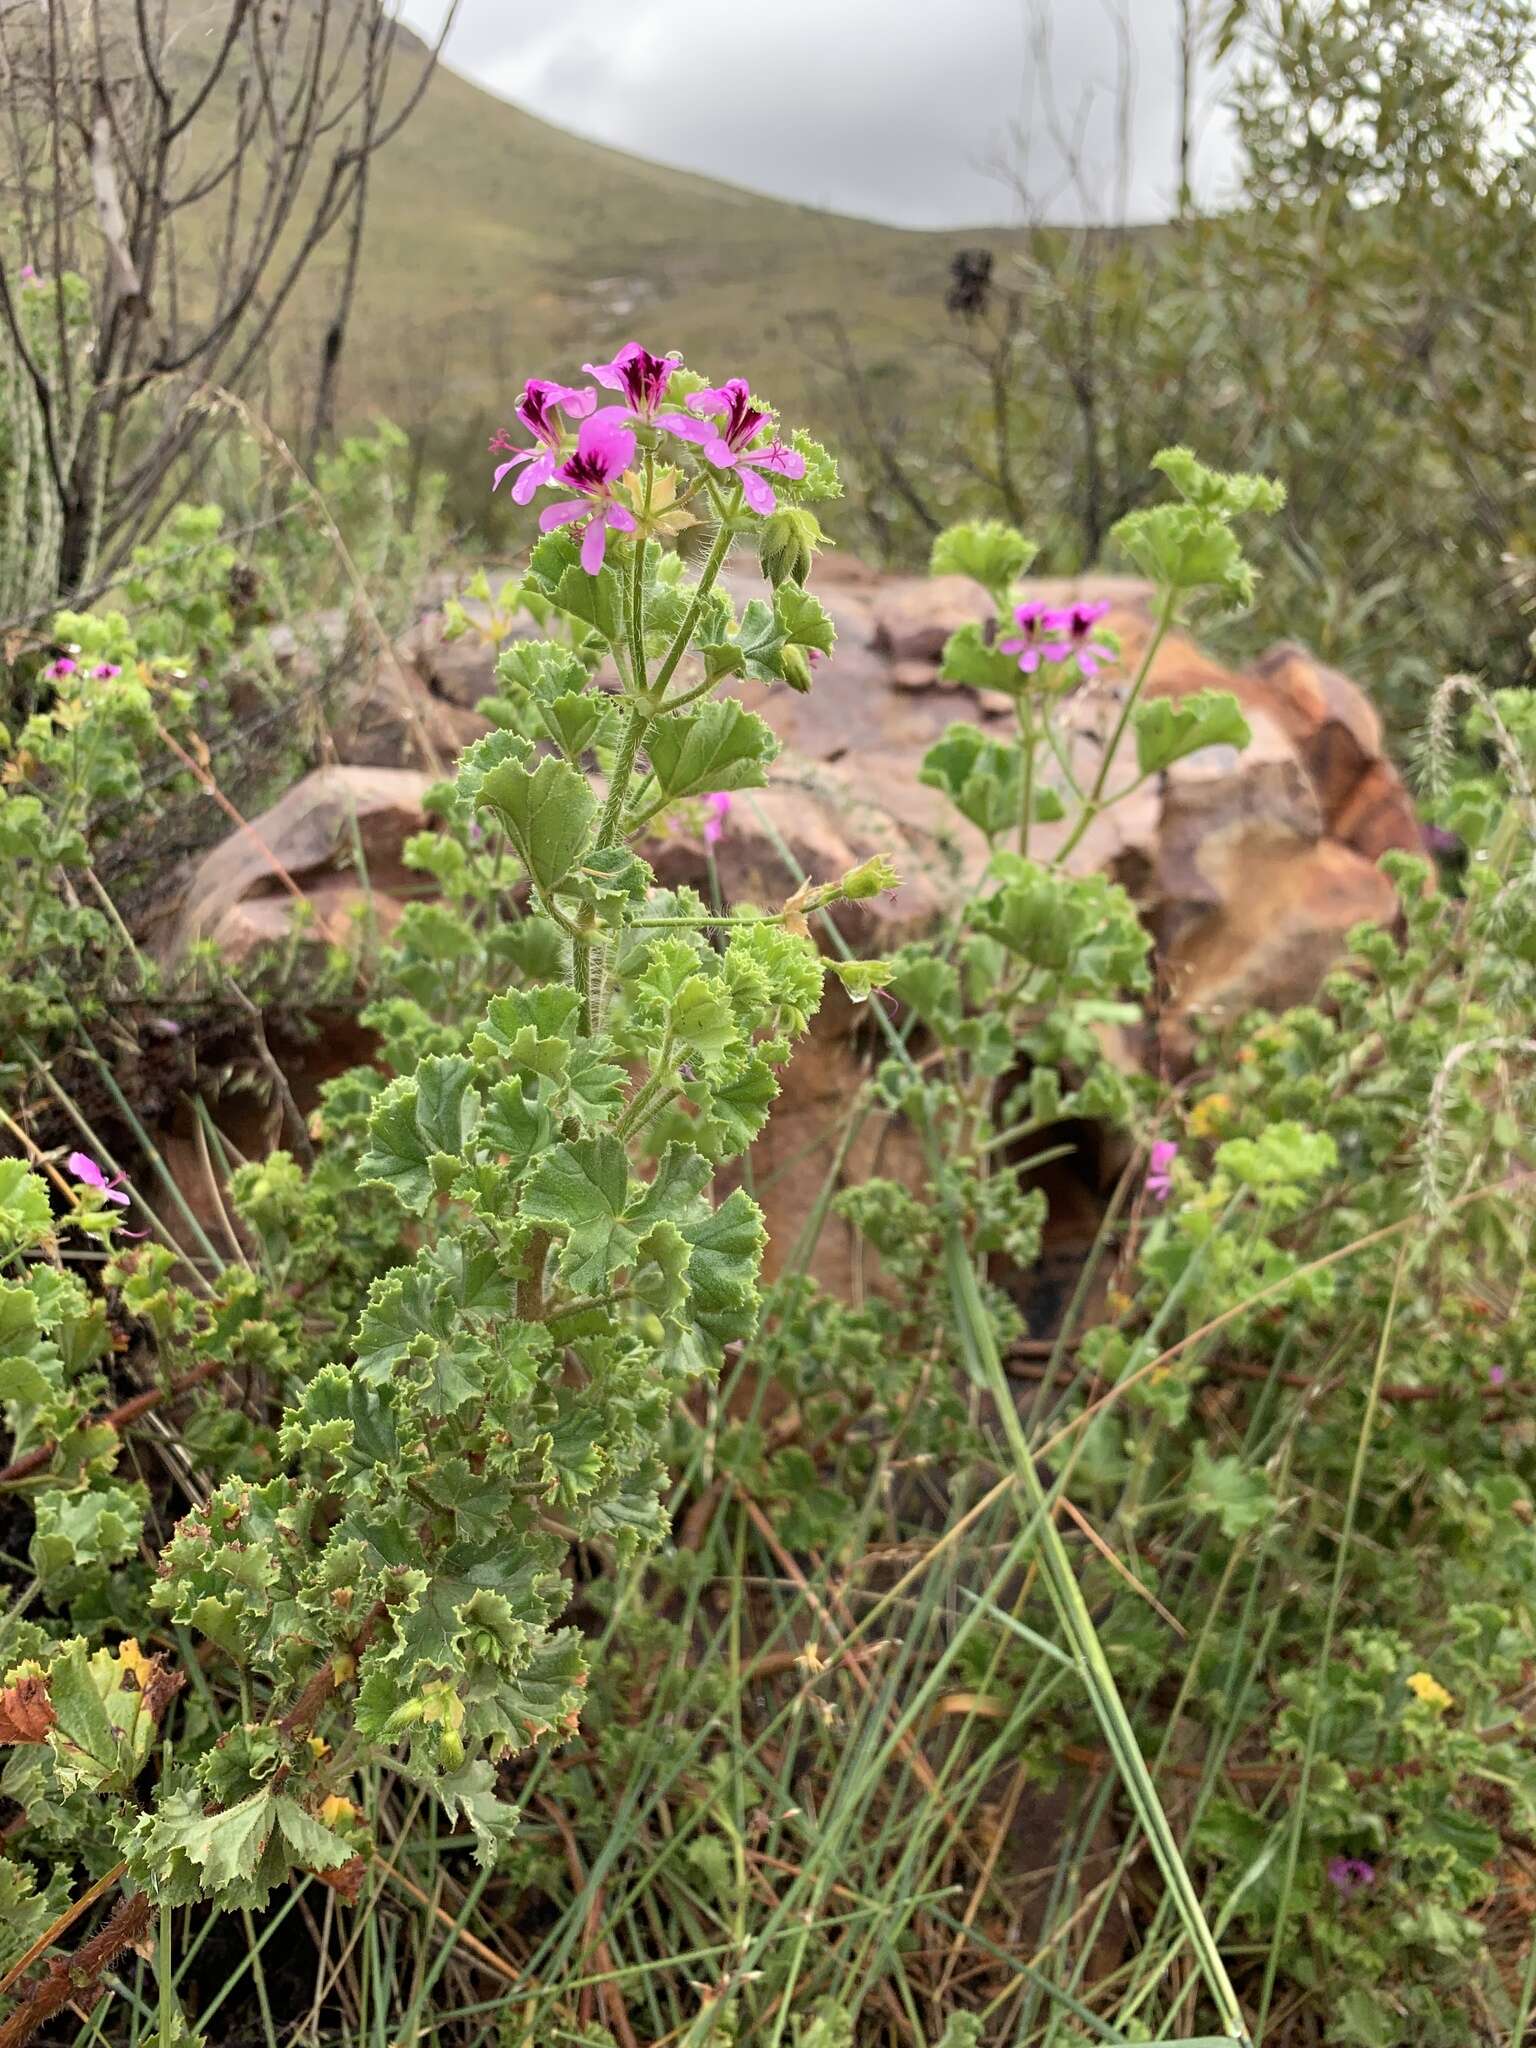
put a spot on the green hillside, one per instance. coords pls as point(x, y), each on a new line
point(498, 246)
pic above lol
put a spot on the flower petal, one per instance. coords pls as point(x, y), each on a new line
point(563, 513)
point(621, 518)
point(522, 455)
point(689, 430)
point(757, 491)
point(779, 457)
point(593, 547)
point(539, 471)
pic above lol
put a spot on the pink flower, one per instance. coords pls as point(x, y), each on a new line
point(1159, 1169)
point(1077, 623)
point(28, 277)
point(717, 808)
point(104, 671)
point(1029, 643)
point(56, 671)
point(733, 422)
point(642, 377)
point(605, 448)
point(1496, 1375)
point(537, 409)
point(1351, 1874)
point(90, 1175)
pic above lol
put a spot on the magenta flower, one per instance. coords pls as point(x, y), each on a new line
point(1077, 622)
point(717, 808)
point(732, 422)
point(605, 448)
point(90, 1175)
point(1496, 1375)
point(1030, 643)
point(104, 671)
point(1159, 1169)
point(56, 671)
point(537, 409)
point(27, 275)
point(1351, 1874)
point(642, 377)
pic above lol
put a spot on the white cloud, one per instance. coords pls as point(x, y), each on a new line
point(924, 113)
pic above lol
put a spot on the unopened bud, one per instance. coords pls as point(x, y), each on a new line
point(797, 668)
point(870, 878)
point(787, 544)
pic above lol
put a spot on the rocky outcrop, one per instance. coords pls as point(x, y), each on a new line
point(333, 844)
point(1250, 868)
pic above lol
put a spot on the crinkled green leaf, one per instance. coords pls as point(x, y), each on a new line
point(721, 745)
point(1168, 728)
point(579, 1191)
point(548, 813)
point(419, 1129)
point(26, 1216)
point(990, 552)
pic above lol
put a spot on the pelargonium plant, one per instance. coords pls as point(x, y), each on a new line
point(386, 1596)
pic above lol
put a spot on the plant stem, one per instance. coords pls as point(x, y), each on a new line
point(1026, 719)
point(684, 634)
point(1094, 802)
point(640, 716)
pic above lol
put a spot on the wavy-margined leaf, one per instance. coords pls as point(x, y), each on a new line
point(419, 1129)
point(803, 619)
point(727, 1249)
point(1168, 728)
point(26, 1216)
point(990, 552)
point(721, 745)
point(755, 650)
point(547, 812)
point(513, 1126)
point(579, 1192)
point(531, 1029)
point(470, 1794)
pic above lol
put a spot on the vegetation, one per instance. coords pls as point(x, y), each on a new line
point(449, 1592)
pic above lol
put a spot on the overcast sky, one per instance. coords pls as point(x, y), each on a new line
point(916, 112)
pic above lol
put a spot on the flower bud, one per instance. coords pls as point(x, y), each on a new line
point(797, 668)
point(787, 543)
point(869, 878)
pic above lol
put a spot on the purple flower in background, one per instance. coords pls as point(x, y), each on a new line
point(538, 409)
point(1435, 839)
point(1029, 643)
point(732, 421)
point(1160, 1167)
point(90, 1175)
point(717, 808)
point(605, 448)
point(27, 276)
point(1351, 1874)
point(1496, 1375)
point(104, 671)
point(56, 671)
point(1077, 622)
point(640, 376)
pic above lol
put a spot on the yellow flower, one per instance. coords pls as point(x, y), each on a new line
point(1424, 1686)
point(1207, 1117)
point(336, 1809)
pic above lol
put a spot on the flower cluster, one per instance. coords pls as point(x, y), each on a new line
point(66, 665)
point(1058, 633)
point(733, 435)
